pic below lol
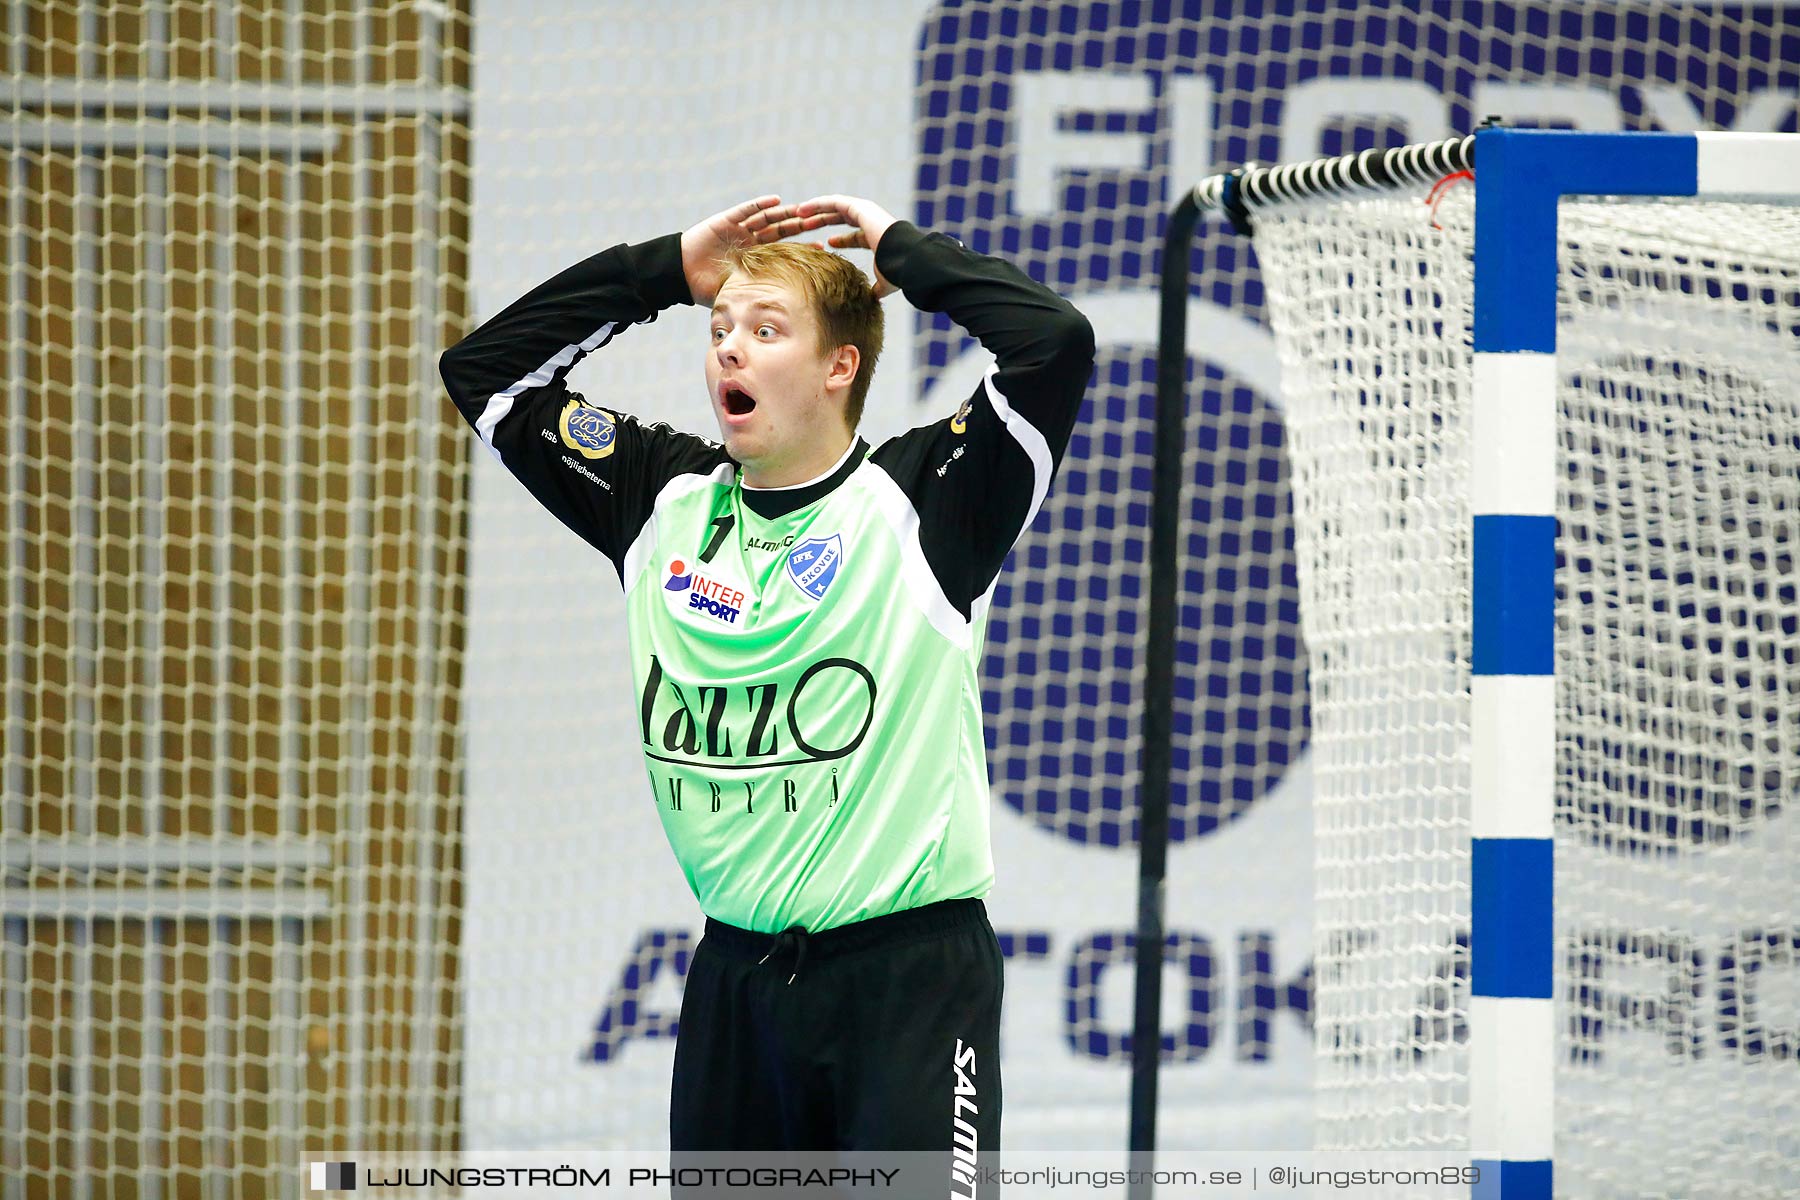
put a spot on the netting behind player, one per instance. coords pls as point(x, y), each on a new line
point(232, 625)
point(1678, 698)
point(232, 247)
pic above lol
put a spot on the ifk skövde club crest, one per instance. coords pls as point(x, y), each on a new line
point(814, 563)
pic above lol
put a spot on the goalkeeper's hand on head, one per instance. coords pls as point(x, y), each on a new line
point(705, 245)
point(868, 221)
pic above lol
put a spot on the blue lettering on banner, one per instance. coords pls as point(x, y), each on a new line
point(1058, 133)
point(1696, 999)
point(1090, 1037)
point(1262, 995)
point(624, 1016)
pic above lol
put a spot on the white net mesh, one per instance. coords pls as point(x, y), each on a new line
point(1678, 695)
point(235, 234)
point(231, 632)
point(1370, 306)
point(1678, 699)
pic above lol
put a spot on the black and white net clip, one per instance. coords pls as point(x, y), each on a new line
point(1251, 187)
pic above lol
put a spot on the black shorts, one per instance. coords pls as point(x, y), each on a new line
point(883, 1035)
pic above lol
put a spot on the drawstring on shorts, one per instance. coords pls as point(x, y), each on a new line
point(754, 948)
point(793, 938)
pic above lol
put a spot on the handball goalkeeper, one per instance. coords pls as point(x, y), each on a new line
point(805, 616)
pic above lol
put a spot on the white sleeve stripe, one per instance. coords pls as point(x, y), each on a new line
point(903, 519)
point(978, 611)
point(500, 403)
point(1030, 440)
point(677, 487)
point(498, 406)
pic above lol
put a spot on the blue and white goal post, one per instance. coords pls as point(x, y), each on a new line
point(1544, 431)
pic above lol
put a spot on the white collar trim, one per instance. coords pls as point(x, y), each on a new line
point(827, 473)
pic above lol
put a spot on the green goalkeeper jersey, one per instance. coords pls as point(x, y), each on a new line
point(806, 659)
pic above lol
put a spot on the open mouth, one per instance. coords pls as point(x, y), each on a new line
point(738, 402)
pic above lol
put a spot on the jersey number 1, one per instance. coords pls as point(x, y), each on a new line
point(721, 527)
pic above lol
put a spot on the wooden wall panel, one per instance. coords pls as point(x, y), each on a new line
point(241, 561)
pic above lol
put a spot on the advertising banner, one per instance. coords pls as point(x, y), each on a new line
point(1057, 135)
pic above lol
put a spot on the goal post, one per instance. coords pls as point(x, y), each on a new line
point(1545, 443)
point(1513, 501)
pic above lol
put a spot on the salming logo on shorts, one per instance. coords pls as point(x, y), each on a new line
point(963, 1139)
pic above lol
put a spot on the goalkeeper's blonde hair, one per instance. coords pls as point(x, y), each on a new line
point(840, 295)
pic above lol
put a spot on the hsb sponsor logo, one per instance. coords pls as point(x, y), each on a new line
point(587, 429)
